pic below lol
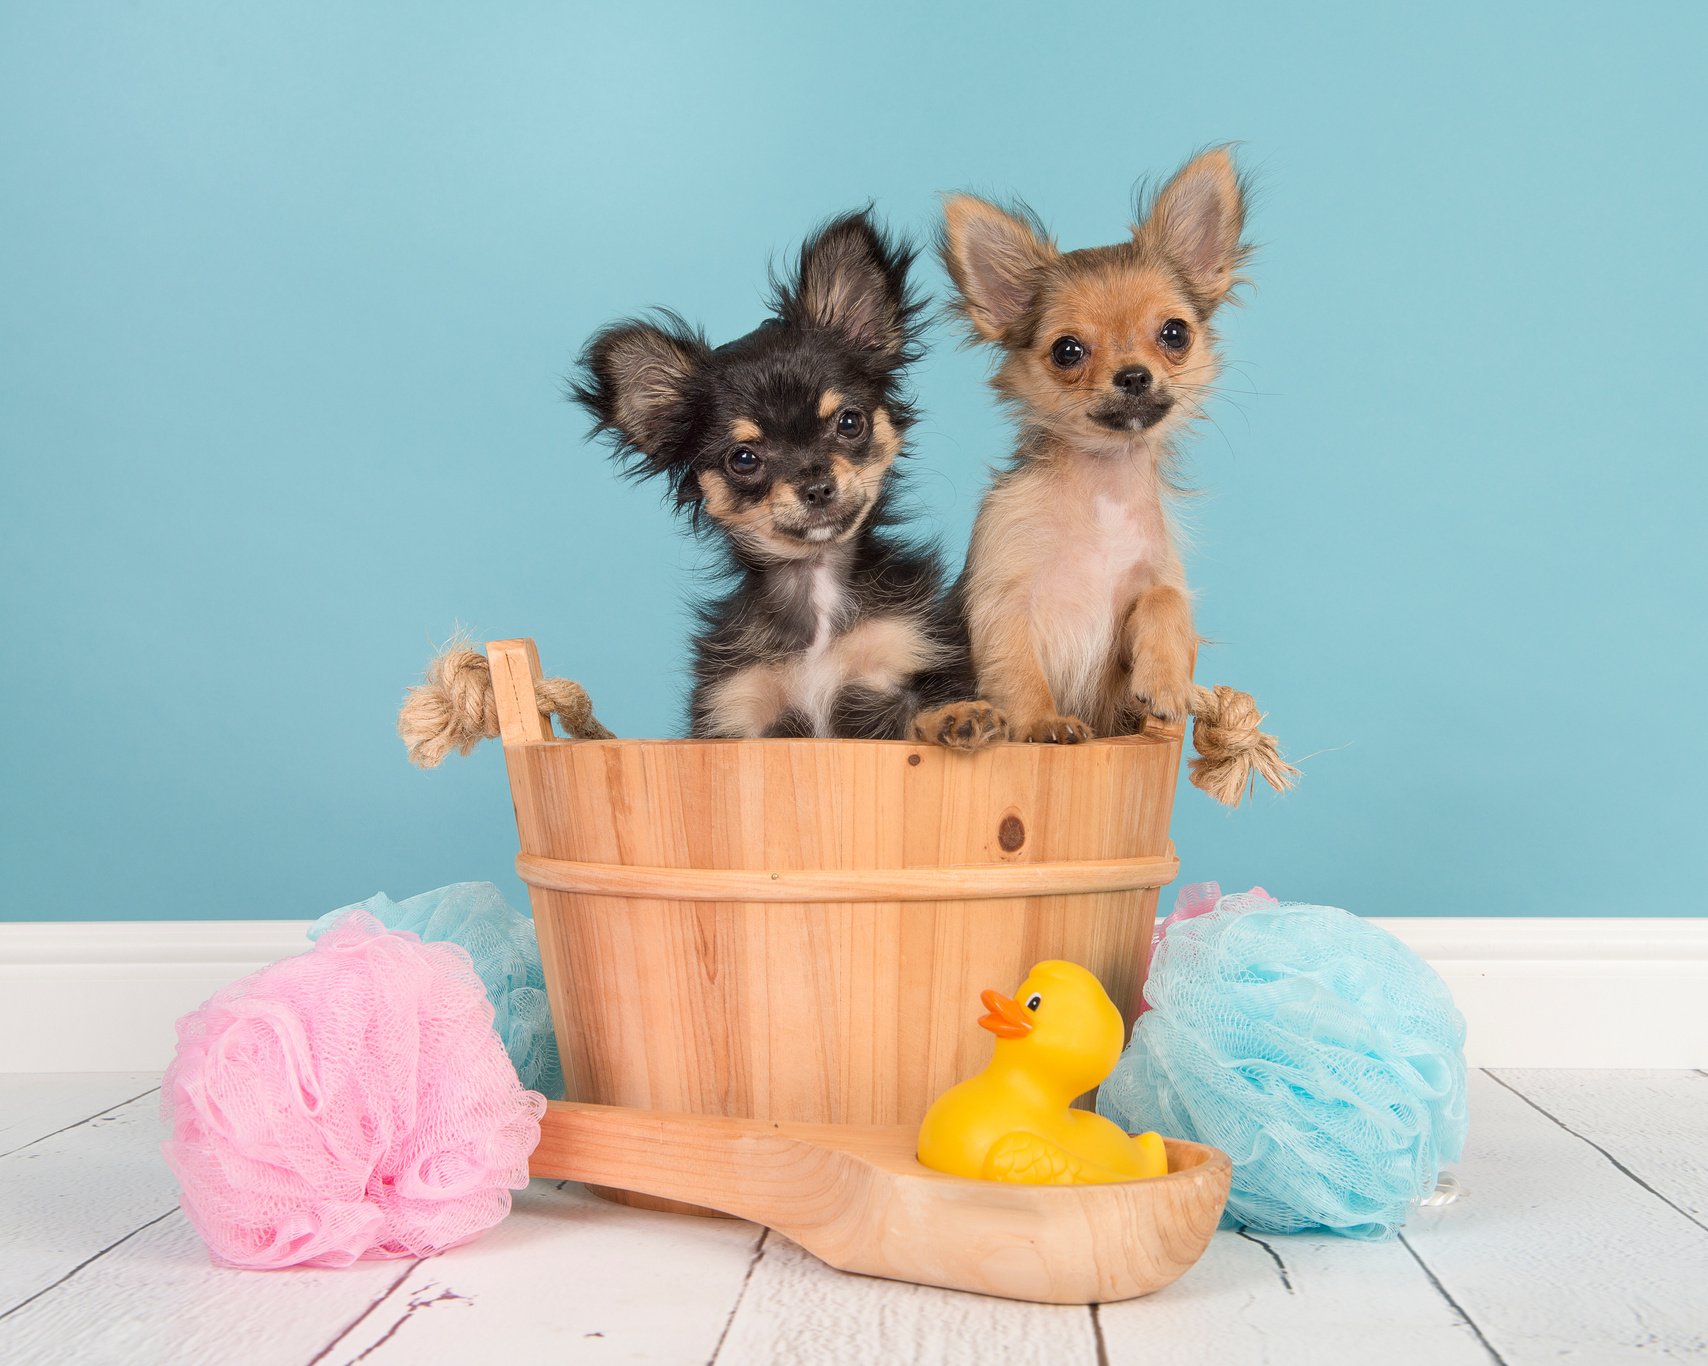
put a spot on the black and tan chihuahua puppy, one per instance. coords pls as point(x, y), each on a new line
point(783, 443)
point(1073, 595)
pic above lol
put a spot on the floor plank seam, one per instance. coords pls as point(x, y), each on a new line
point(1509, 1280)
point(374, 1304)
point(93, 1257)
point(1453, 1304)
point(1617, 1164)
point(1274, 1256)
point(418, 1302)
point(87, 1119)
point(741, 1294)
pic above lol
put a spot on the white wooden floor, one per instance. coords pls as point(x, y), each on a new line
point(1584, 1237)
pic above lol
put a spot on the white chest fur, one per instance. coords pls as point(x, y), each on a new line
point(878, 652)
point(818, 674)
point(1077, 542)
point(1081, 599)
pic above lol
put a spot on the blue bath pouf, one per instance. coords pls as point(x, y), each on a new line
point(1320, 1053)
point(500, 940)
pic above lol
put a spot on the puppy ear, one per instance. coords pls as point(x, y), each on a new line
point(1196, 223)
point(995, 258)
point(852, 279)
point(634, 377)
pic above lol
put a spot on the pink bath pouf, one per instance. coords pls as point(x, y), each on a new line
point(351, 1102)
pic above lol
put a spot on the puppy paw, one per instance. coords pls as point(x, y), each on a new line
point(1057, 730)
point(961, 725)
point(1163, 692)
point(1160, 646)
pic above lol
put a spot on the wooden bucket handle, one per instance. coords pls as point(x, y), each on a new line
point(515, 666)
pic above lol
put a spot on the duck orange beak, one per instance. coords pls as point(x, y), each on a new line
point(1007, 1018)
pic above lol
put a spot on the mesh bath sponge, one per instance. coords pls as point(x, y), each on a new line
point(500, 940)
point(351, 1102)
point(1320, 1053)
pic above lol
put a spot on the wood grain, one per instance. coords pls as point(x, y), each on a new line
point(797, 1310)
point(79, 1191)
point(1549, 1225)
point(1555, 1251)
point(572, 1279)
point(48, 1102)
point(157, 1300)
point(856, 1197)
point(1299, 1299)
point(515, 664)
point(109, 1270)
point(694, 964)
point(1653, 1123)
point(967, 882)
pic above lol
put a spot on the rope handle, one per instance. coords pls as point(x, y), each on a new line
point(462, 702)
point(457, 707)
point(1233, 750)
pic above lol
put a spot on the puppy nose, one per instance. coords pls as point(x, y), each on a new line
point(819, 492)
point(1135, 379)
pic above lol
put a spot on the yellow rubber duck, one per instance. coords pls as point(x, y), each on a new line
point(1056, 1038)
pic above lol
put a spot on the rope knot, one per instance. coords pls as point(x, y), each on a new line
point(1233, 750)
point(455, 707)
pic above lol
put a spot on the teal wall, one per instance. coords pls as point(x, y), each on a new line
point(287, 293)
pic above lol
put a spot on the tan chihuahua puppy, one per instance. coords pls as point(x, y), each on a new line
point(1073, 596)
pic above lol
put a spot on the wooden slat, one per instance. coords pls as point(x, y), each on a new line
point(78, 1192)
point(567, 1278)
point(156, 1298)
point(515, 665)
point(1654, 1124)
point(860, 1008)
point(1556, 1253)
point(811, 804)
point(954, 883)
point(97, 1264)
point(797, 1310)
point(99, 1197)
point(36, 1104)
point(1321, 1301)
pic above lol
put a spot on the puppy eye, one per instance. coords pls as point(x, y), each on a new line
point(1067, 352)
point(850, 422)
point(1175, 335)
point(1034, 1001)
point(742, 461)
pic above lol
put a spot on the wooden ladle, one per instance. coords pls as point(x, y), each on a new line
point(857, 1198)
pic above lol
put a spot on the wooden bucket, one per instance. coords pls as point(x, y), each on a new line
point(798, 930)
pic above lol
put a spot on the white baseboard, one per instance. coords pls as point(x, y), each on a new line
point(87, 996)
point(1570, 992)
point(103, 996)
